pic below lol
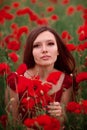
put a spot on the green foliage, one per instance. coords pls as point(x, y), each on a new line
point(2, 93)
point(79, 122)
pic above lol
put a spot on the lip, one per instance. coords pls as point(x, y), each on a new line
point(45, 57)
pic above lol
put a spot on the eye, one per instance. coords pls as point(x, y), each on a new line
point(36, 46)
point(51, 43)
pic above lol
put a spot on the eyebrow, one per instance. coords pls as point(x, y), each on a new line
point(44, 41)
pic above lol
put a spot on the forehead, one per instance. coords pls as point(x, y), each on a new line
point(46, 35)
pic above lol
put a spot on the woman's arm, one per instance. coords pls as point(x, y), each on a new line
point(67, 96)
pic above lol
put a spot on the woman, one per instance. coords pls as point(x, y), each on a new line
point(46, 54)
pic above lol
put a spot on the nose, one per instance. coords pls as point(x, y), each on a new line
point(44, 49)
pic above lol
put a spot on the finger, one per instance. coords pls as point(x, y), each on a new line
point(54, 103)
point(53, 107)
point(55, 113)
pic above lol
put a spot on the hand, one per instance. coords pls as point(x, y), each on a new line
point(55, 109)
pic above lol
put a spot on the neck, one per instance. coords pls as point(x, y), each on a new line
point(44, 71)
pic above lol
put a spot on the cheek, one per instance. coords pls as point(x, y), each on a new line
point(35, 54)
point(55, 55)
point(55, 52)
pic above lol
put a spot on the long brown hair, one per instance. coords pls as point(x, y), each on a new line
point(65, 61)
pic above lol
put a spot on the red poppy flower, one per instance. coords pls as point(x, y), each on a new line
point(84, 106)
point(12, 80)
point(43, 120)
point(46, 87)
point(28, 102)
point(42, 21)
point(80, 47)
point(21, 30)
point(65, 2)
point(13, 56)
point(55, 124)
point(85, 14)
point(55, 17)
point(33, 1)
point(23, 11)
point(79, 7)
point(3, 120)
point(81, 77)
point(45, 100)
point(14, 25)
point(29, 122)
point(53, 77)
point(8, 38)
point(71, 47)
point(6, 15)
point(82, 31)
point(4, 68)
point(23, 85)
point(7, 7)
point(36, 87)
point(2, 20)
point(15, 4)
point(33, 16)
point(21, 69)
point(50, 9)
point(13, 45)
point(66, 35)
point(70, 10)
point(82, 36)
point(74, 107)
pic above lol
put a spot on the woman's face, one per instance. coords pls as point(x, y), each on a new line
point(45, 50)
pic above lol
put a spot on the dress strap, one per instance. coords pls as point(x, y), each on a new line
point(57, 87)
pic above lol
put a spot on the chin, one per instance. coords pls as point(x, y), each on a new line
point(46, 64)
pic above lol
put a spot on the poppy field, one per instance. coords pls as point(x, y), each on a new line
point(69, 19)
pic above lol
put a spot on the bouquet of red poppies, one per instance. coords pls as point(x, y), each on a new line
point(33, 100)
